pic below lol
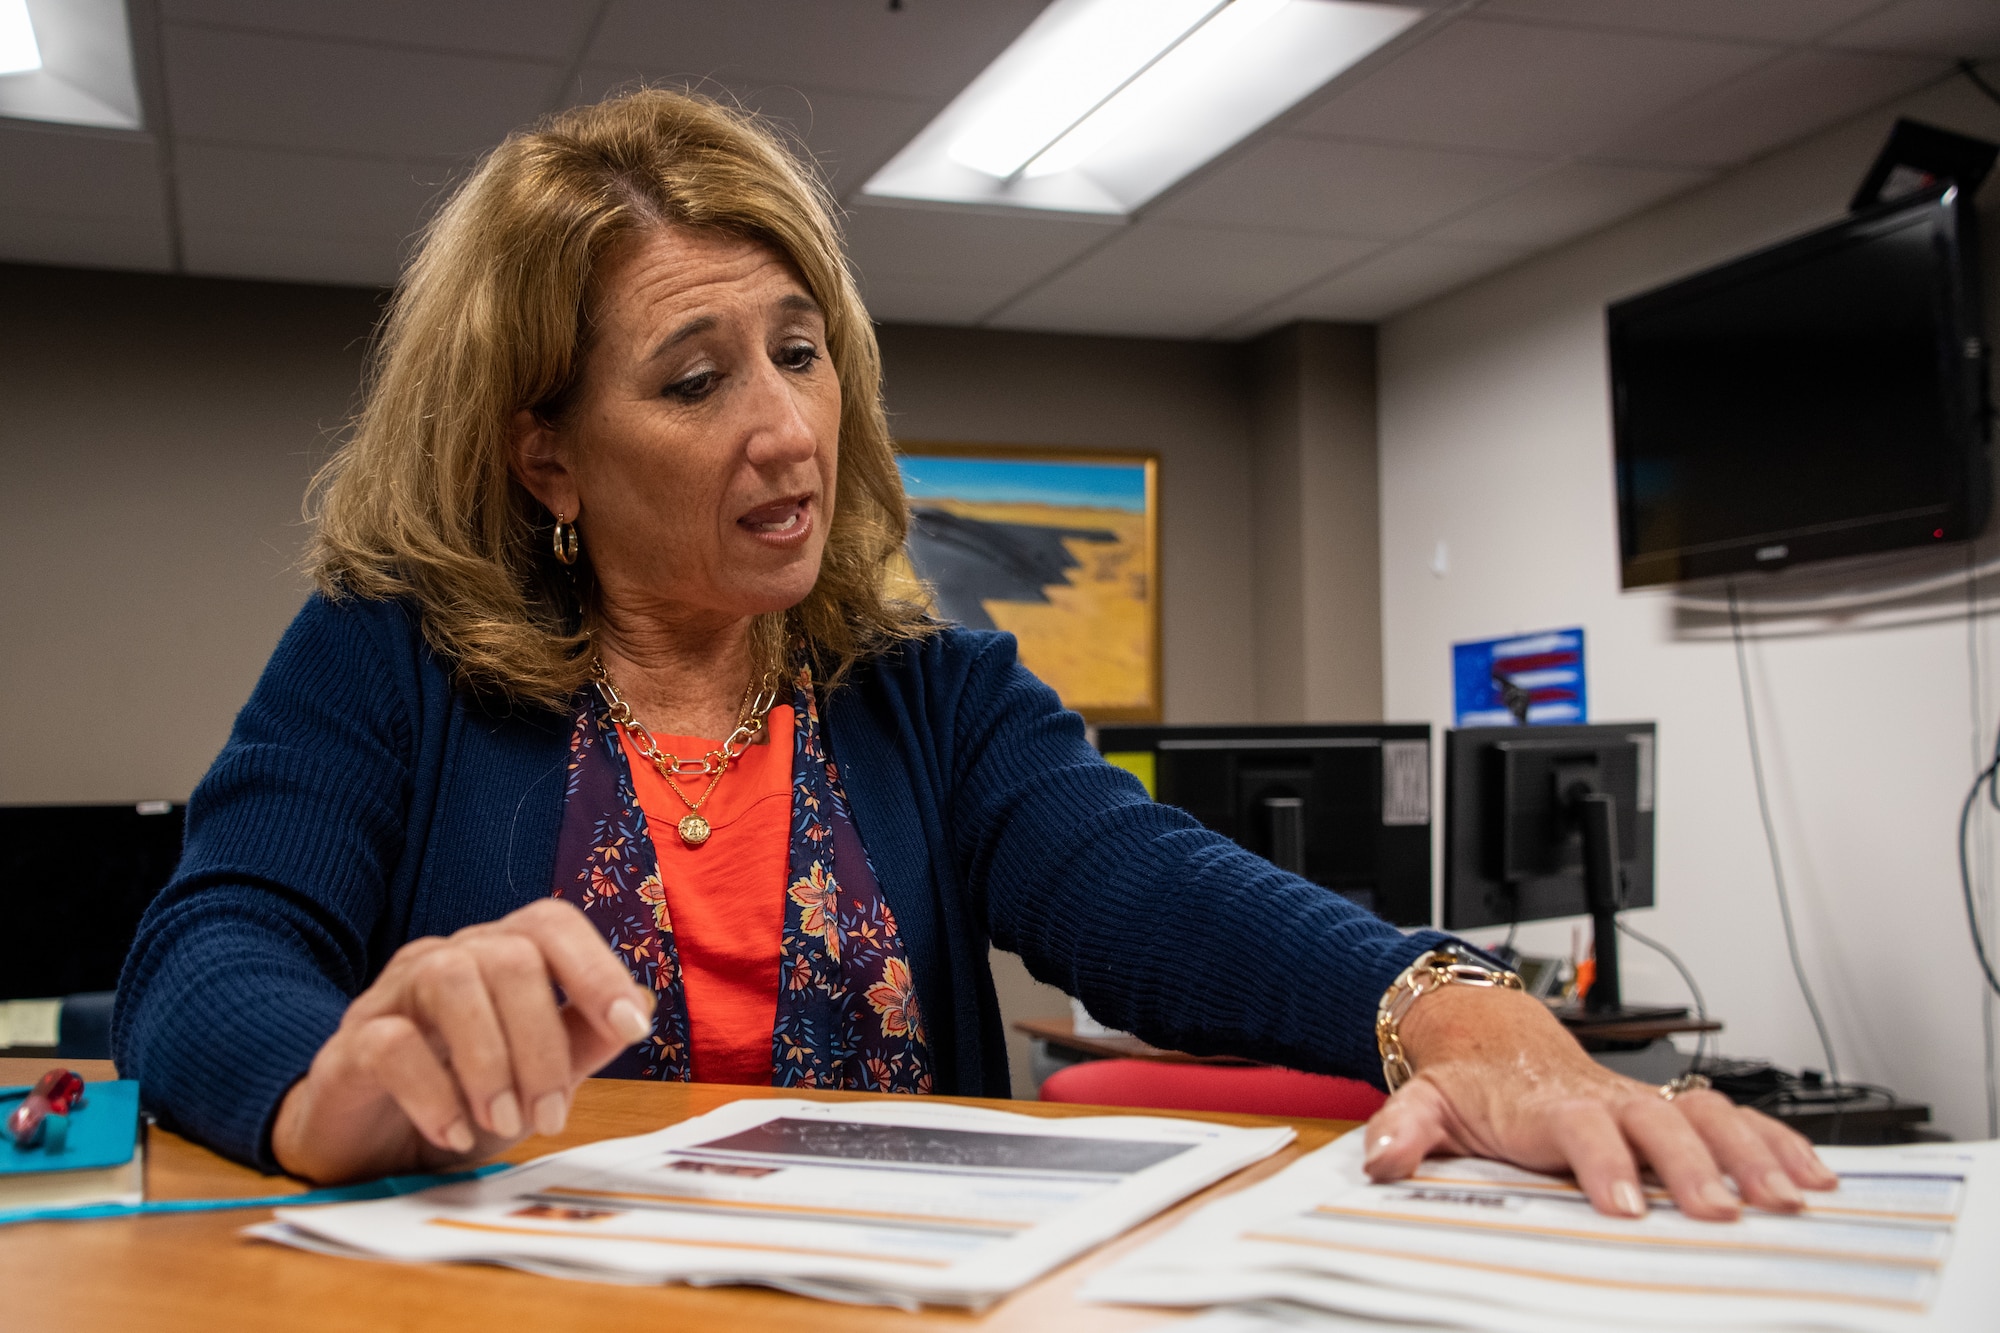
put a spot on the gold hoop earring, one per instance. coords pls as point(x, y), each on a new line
point(567, 542)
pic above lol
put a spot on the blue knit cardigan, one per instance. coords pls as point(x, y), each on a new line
point(362, 801)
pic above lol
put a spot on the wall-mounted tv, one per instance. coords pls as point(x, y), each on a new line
point(1821, 398)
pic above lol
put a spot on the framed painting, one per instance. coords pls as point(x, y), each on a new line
point(1060, 548)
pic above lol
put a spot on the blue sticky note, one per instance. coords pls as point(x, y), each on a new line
point(102, 1131)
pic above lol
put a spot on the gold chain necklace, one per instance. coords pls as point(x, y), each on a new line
point(758, 697)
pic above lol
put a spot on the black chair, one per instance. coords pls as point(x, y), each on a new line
point(83, 1028)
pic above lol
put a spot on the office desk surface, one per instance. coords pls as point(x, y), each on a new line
point(196, 1272)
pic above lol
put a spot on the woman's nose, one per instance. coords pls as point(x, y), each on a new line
point(779, 423)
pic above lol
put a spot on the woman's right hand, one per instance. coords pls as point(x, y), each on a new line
point(460, 1049)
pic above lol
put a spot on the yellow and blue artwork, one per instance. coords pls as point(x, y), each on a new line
point(1058, 548)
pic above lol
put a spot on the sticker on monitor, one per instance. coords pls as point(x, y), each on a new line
point(1523, 680)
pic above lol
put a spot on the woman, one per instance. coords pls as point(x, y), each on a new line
point(623, 486)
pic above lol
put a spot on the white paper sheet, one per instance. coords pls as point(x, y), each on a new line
point(1907, 1242)
point(898, 1202)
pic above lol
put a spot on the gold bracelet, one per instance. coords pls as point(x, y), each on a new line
point(1439, 967)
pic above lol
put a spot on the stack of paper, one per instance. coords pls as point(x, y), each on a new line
point(897, 1202)
point(1905, 1242)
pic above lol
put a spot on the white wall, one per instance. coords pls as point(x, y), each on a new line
point(1496, 439)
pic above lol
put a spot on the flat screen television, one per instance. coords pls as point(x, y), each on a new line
point(1824, 397)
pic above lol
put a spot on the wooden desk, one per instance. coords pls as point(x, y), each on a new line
point(195, 1272)
point(1634, 1032)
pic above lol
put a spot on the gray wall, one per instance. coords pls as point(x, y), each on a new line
point(155, 439)
point(1317, 551)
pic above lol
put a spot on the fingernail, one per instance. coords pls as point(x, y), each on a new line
point(1625, 1197)
point(459, 1137)
point(1377, 1146)
point(505, 1113)
point(1825, 1175)
point(1720, 1197)
point(551, 1113)
point(1783, 1190)
point(627, 1021)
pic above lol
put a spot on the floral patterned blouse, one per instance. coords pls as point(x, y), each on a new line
point(845, 1014)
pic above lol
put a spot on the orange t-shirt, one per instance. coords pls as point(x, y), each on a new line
point(726, 898)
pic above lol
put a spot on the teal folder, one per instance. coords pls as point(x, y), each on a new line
point(102, 1131)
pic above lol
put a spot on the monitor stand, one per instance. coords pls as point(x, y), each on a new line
point(1598, 814)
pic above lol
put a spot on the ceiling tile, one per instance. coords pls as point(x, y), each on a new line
point(30, 236)
point(81, 197)
point(848, 135)
point(1569, 201)
point(1322, 185)
point(1772, 106)
point(1766, 20)
point(893, 301)
point(532, 28)
point(1178, 281)
point(292, 93)
point(1384, 285)
point(1963, 29)
point(923, 49)
point(290, 257)
point(993, 253)
point(312, 197)
point(1526, 87)
point(79, 173)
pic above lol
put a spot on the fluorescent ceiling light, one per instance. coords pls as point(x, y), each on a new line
point(82, 73)
point(18, 52)
point(1102, 104)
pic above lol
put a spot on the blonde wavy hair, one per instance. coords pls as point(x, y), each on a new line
point(493, 316)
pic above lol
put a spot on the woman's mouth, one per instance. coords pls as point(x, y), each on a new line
point(781, 522)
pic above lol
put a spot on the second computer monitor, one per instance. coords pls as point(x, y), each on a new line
point(1514, 836)
point(1346, 806)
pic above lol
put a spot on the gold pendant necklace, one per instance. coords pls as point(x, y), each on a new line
point(694, 828)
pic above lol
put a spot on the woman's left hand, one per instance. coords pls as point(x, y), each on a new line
point(1497, 1076)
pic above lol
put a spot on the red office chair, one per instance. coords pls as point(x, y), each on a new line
point(1250, 1089)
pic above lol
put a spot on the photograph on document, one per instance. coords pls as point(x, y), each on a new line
point(931, 1147)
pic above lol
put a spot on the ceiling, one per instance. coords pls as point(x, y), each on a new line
point(304, 140)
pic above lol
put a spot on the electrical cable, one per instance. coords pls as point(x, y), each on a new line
point(1975, 679)
point(1985, 779)
point(1777, 863)
point(1700, 1005)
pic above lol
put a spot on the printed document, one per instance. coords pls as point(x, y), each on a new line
point(899, 1202)
point(1906, 1242)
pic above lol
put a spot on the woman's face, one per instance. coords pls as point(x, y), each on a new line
point(699, 462)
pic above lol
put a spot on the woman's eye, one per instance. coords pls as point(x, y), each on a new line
point(692, 387)
point(798, 356)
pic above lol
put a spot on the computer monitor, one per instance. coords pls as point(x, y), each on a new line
point(74, 880)
point(1346, 806)
point(1545, 822)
